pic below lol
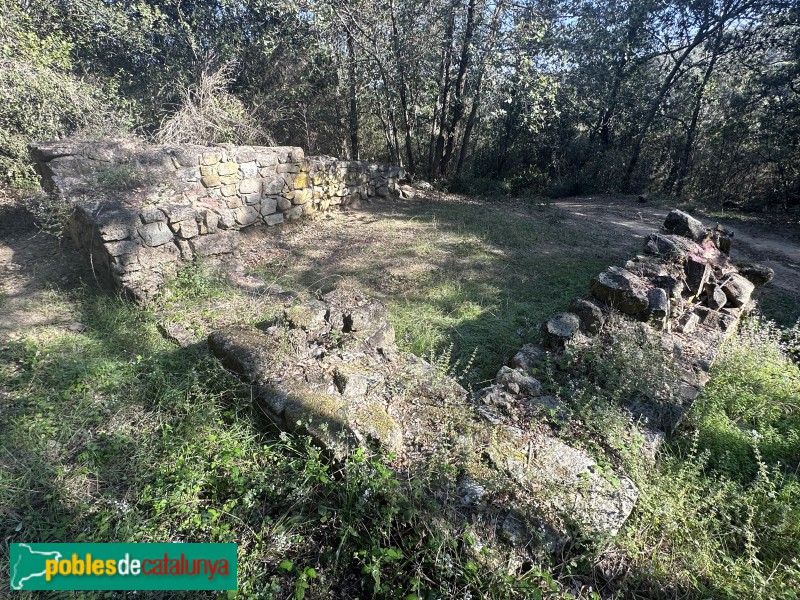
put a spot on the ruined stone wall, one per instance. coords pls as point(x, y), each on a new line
point(142, 211)
point(332, 365)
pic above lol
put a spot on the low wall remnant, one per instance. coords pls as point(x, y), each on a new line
point(141, 211)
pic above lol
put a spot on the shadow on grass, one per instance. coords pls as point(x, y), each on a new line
point(477, 276)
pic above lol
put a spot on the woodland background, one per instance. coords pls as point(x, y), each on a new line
point(687, 98)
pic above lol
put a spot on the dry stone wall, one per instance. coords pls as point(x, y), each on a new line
point(142, 211)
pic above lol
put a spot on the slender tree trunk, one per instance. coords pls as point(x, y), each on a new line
point(478, 85)
point(691, 134)
point(353, 106)
point(443, 100)
point(408, 123)
point(461, 79)
point(655, 104)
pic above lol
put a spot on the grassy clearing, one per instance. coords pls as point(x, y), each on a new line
point(475, 275)
point(116, 434)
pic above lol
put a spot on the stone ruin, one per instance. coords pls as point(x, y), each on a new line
point(330, 368)
point(142, 211)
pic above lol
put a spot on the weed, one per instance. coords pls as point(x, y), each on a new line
point(196, 281)
point(51, 212)
point(118, 178)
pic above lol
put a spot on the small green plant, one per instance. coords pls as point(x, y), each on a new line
point(118, 178)
point(196, 280)
point(51, 212)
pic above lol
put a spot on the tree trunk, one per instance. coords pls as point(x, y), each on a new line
point(478, 84)
point(655, 104)
point(461, 79)
point(440, 111)
point(408, 123)
point(353, 106)
point(691, 134)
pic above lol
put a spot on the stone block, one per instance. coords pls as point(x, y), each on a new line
point(250, 186)
point(210, 158)
point(267, 159)
point(251, 199)
point(180, 212)
point(681, 223)
point(697, 275)
point(244, 154)
point(186, 229)
point(229, 179)
point(269, 206)
point(560, 329)
point(275, 219)
point(227, 220)
point(300, 181)
point(284, 203)
point(249, 169)
point(288, 168)
point(211, 181)
point(246, 215)
point(620, 289)
point(208, 170)
point(293, 213)
point(229, 168)
point(216, 244)
point(155, 234)
point(184, 157)
point(273, 186)
point(267, 172)
point(210, 221)
point(590, 314)
point(188, 174)
point(302, 196)
point(233, 202)
point(738, 289)
point(228, 190)
point(151, 215)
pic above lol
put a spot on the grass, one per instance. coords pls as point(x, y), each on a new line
point(479, 276)
point(116, 434)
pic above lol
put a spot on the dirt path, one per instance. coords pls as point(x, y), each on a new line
point(779, 250)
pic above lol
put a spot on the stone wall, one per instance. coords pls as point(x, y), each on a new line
point(142, 211)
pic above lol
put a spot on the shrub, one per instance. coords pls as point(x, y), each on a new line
point(40, 97)
point(210, 114)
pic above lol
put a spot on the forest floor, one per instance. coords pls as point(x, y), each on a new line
point(109, 430)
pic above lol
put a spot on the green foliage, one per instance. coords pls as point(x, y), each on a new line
point(51, 212)
point(196, 280)
point(41, 98)
point(720, 515)
point(118, 178)
point(752, 403)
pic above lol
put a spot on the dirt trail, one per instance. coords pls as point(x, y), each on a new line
point(779, 251)
point(32, 265)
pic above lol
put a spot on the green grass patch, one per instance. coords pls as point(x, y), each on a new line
point(116, 435)
point(720, 516)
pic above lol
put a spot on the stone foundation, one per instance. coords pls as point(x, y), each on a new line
point(142, 211)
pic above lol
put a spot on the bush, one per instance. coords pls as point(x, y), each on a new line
point(210, 114)
point(40, 97)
